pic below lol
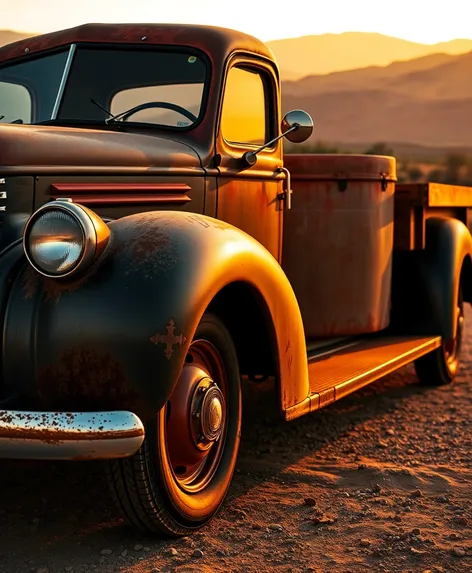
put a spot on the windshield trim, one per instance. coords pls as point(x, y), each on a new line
point(62, 85)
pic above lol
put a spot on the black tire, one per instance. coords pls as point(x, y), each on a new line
point(441, 366)
point(153, 489)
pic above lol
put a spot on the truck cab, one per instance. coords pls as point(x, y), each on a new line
point(156, 245)
point(150, 100)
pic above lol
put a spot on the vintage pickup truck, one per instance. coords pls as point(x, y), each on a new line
point(157, 247)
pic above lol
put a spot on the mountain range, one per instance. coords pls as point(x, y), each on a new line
point(398, 91)
point(326, 53)
point(425, 101)
point(9, 36)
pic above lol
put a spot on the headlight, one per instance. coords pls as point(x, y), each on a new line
point(62, 238)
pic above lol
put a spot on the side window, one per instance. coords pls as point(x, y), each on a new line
point(15, 103)
point(243, 117)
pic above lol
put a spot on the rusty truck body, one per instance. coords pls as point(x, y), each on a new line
point(156, 245)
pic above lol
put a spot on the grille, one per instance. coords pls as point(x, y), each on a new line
point(3, 207)
point(3, 204)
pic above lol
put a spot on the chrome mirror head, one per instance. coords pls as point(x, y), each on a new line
point(301, 121)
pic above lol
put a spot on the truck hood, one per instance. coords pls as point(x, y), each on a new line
point(41, 145)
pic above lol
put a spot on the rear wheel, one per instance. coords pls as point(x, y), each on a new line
point(180, 476)
point(441, 366)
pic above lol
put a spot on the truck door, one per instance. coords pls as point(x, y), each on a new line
point(249, 117)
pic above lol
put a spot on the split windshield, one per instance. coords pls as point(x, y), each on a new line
point(161, 87)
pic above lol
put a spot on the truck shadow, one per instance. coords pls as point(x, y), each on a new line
point(66, 508)
point(267, 437)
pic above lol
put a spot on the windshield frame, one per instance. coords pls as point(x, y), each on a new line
point(62, 85)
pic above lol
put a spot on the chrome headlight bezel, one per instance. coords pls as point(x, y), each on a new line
point(95, 235)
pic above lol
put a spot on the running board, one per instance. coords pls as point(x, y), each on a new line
point(343, 370)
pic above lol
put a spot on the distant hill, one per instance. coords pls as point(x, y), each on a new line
point(370, 116)
point(378, 77)
point(426, 101)
point(326, 53)
point(9, 36)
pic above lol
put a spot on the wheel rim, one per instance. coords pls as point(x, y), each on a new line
point(196, 418)
point(452, 347)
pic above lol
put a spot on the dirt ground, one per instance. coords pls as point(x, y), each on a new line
point(380, 482)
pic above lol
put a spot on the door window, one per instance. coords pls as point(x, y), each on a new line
point(244, 117)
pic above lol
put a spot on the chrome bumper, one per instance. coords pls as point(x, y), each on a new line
point(69, 435)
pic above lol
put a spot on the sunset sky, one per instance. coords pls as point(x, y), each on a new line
point(415, 20)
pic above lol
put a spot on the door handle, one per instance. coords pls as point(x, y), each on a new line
point(287, 194)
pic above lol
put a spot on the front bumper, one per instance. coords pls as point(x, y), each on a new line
point(69, 435)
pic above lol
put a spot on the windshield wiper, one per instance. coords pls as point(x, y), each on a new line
point(111, 118)
point(99, 105)
point(15, 121)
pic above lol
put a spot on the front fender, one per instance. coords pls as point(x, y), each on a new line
point(118, 336)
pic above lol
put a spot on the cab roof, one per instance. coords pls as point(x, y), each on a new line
point(217, 42)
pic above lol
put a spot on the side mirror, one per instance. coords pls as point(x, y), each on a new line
point(297, 126)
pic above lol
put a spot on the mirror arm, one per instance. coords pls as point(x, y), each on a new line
point(250, 157)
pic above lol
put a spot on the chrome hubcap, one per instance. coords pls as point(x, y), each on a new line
point(208, 407)
point(196, 418)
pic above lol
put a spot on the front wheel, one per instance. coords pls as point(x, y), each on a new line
point(178, 479)
point(441, 366)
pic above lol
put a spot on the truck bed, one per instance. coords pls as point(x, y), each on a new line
point(415, 202)
point(434, 194)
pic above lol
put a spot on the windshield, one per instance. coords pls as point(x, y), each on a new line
point(153, 86)
point(29, 90)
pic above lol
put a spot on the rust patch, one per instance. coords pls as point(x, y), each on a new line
point(147, 243)
point(150, 246)
point(327, 397)
point(86, 377)
point(169, 339)
point(33, 283)
point(289, 356)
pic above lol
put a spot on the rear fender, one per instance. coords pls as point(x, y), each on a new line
point(118, 336)
point(426, 283)
point(448, 247)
